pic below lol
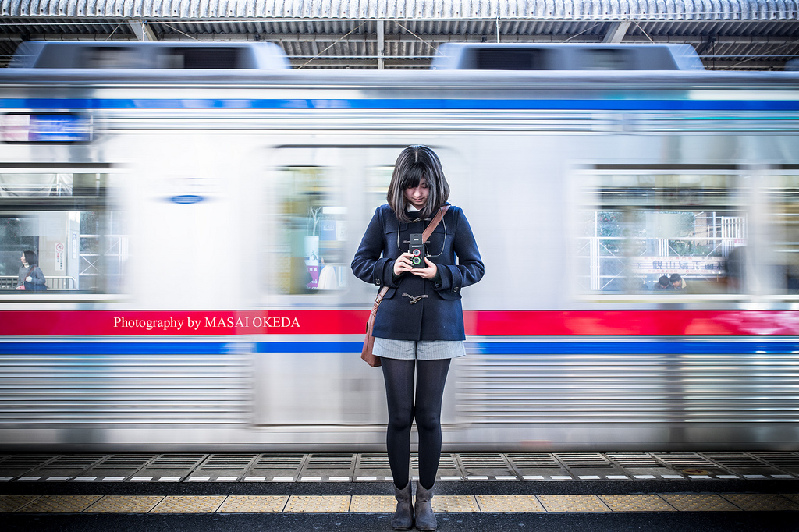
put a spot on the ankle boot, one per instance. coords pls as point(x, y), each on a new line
point(425, 518)
point(403, 517)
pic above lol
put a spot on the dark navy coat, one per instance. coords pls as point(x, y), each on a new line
point(416, 308)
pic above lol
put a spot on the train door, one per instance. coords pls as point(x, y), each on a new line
point(183, 197)
point(318, 201)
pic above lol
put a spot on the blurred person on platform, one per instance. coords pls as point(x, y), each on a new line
point(677, 282)
point(30, 275)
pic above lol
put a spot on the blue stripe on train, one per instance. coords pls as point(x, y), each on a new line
point(403, 104)
point(544, 347)
point(117, 348)
point(489, 348)
point(659, 347)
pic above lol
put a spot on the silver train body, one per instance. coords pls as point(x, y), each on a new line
point(189, 205)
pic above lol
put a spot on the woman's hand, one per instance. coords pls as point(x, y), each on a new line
point(425, 273)
point(403, 264)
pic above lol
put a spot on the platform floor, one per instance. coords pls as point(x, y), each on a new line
point(348, 491)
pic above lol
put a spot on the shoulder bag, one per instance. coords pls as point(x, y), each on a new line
point(30, 285)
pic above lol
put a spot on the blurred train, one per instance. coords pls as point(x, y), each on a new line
point(195, 207)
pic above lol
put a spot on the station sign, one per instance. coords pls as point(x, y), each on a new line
point(45, 128)
point(692, 266)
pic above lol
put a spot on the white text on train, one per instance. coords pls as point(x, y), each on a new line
point(166, 324)
point(258, 322)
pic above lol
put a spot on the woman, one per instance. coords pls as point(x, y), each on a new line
point(30, 275)
point(419, 324)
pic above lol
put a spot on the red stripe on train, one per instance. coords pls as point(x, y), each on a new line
point(481, 322)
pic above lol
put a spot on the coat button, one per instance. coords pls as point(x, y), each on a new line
point(455, 289)
point(377, 282)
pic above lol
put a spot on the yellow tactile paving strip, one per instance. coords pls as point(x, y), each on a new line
point(636, 503)
point(12, 503)
point(664, 502)
point(455, 504)
point(373, 504)
point(254, 503)
point(189, 504)
point(760, 503)
point(128, 504)
point(699, 502)
point(573, 503)
point(508, 503)
point(60, 503)
point(318, 504)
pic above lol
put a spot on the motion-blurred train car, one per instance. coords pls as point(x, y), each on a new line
point(195, 207)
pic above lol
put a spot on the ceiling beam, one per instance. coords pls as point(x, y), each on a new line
point(142, 30)
point(617, 32)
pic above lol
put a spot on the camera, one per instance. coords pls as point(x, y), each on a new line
point(417, 250)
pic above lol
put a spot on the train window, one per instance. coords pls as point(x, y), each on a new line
point(605, 59)
point(309, 245)
point(60, 219)
point(379, 178)
point(112, 57)
point(510, 59)
point(200, 58)
point(657, 231)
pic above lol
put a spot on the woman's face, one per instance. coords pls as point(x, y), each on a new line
point(418, 196)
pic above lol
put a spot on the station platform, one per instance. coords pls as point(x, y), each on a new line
point(353, 491)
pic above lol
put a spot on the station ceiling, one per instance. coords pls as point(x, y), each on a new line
point(727, 34)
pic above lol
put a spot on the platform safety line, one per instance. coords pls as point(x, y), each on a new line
point(201, 504)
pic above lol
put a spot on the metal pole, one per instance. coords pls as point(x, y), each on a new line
point(381, 44)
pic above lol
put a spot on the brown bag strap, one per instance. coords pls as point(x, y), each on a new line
point(378, 299)
point(434, 223)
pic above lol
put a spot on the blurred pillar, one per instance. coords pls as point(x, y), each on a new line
point(142, 30)
point(617, 32)
point(381, 44)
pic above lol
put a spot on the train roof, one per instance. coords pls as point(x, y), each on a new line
point(150, 55)
point(565, 56)
point(269, 56)
point(477, 66)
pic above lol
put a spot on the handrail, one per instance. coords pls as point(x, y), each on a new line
point(54, 282)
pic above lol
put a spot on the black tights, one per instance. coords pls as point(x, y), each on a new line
point(431, 376)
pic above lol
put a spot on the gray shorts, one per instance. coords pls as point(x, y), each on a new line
point(418, 350)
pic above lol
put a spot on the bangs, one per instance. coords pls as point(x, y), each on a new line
point(414, 164)
point(413, 176)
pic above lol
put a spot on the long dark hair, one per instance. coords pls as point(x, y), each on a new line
point(414, 164)
point(30, 258)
